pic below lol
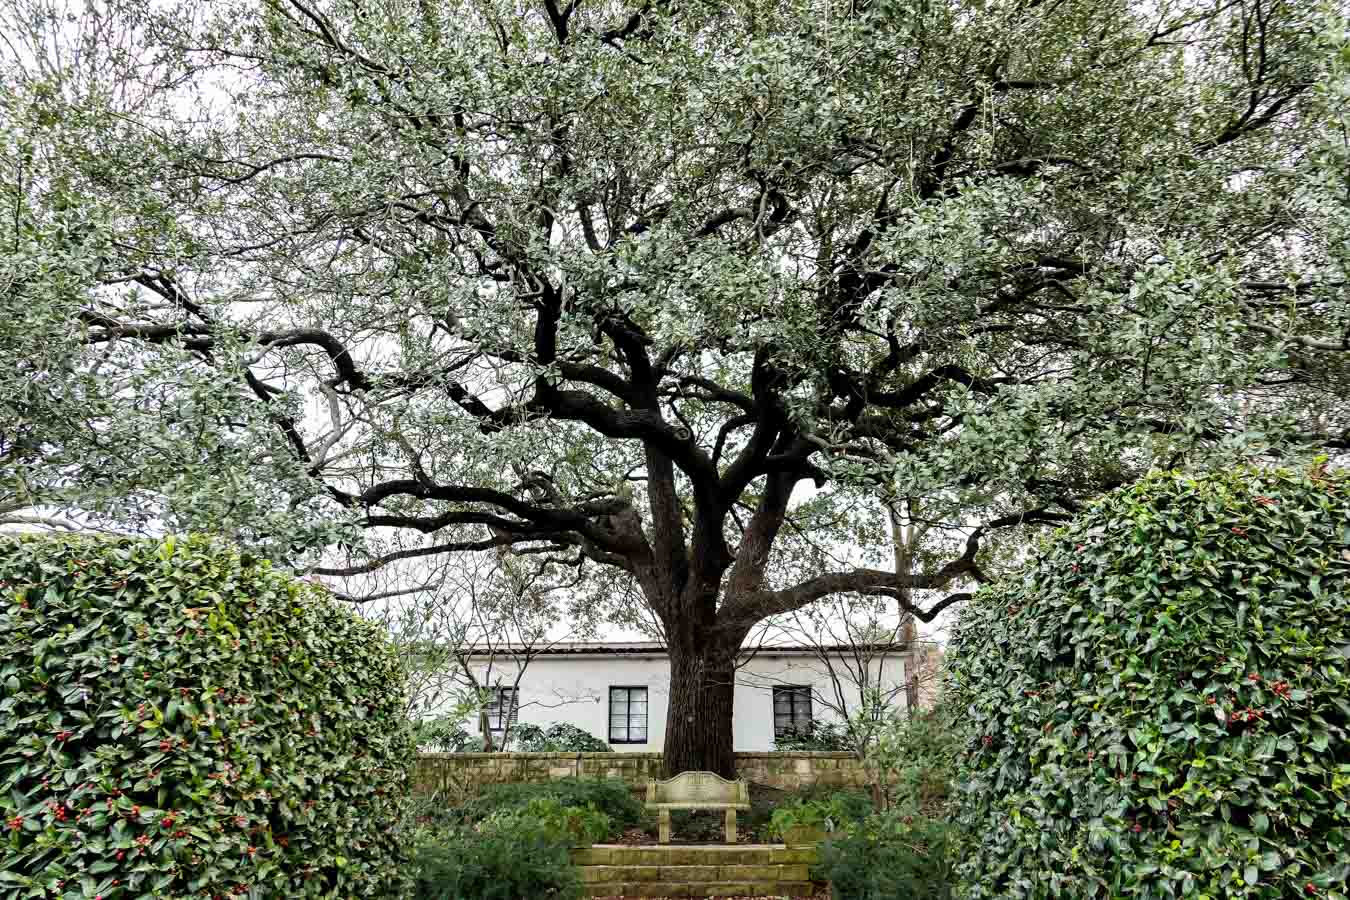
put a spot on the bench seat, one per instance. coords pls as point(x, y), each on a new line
point(697, 790)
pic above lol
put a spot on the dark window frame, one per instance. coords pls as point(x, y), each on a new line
point(497, 722)
point(628, 714)
point(801, 696)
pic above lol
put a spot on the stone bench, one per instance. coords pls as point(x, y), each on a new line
point(697, 790)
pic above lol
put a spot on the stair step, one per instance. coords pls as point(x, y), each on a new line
point(694, 874)
point(708, 855)
point(702, 889)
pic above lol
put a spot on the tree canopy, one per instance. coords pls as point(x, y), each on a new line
point(672, 293)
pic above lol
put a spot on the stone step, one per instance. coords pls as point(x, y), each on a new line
point(695, 874)
point(700, 855)
point(702, 889)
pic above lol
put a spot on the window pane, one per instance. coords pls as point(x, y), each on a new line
point(618, 732)
point(618, 700)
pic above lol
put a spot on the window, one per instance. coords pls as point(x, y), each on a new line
point(502, 709)
point(791, 709)
point(628, 715)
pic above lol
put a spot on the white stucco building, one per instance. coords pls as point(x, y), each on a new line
point(619, 692)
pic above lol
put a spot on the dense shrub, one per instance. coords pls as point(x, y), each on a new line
point(845, 806)
point(1159, 703)
point(829, 813)
point(611, 797)
point(445, 735)
point(890, 856)
point(579, 826)
point(181, 721)
point(818, 734)
point(494, 865)
point(558, 738)
point(913, 759)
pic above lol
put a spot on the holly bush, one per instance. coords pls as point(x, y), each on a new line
point(1157, 706)
point(179, 720)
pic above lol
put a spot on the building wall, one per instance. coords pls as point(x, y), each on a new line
point(575, 689)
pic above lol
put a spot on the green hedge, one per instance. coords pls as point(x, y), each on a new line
point(181, 721)
point(610, 796)
point(1158, 705)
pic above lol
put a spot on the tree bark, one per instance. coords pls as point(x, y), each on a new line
point(698, 719)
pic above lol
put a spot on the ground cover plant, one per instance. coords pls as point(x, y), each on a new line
point(180, 720)
point(1159, 704)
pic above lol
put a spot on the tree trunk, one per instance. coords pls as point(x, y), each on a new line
point(698, 719)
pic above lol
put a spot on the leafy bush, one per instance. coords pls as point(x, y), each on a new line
point(578, 826)
point(445, 735)
point(611, 797)
point(1159, 703)
point(494, 865)
point(889, 856)
point(558, 738)
point(180, 720)
point(913, 758)
point(845, 806)
point(838, 811)
point(818, 734)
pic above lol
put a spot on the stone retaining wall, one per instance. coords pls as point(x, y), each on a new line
point(454, 772)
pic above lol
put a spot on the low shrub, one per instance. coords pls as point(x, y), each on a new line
point(818, 735)
point(502, 864)
point(831, 813)
point(913, 759)
point(181, 720)
point(609, 796)
point(577, 826)
point(445, 735)
point(558, 738)
point(889, 856)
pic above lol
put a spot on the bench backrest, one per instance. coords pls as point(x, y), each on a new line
point(698, 787)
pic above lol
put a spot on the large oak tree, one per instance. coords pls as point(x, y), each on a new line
point(666, 293)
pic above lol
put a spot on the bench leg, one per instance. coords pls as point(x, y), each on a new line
point(663, 827)
point(731, 826)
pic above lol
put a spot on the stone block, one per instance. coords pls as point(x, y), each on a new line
point(749, 873)
point(603, 874)
point(680, 856)
point(733, 889)
point(593, 856)
point(656, 889)
point(794, 855)
point(634, 856)
point(689, 873)
point(640, 873)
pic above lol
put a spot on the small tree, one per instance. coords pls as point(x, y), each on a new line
point(468, 630)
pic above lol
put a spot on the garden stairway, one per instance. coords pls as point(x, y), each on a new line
point(709, 870)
